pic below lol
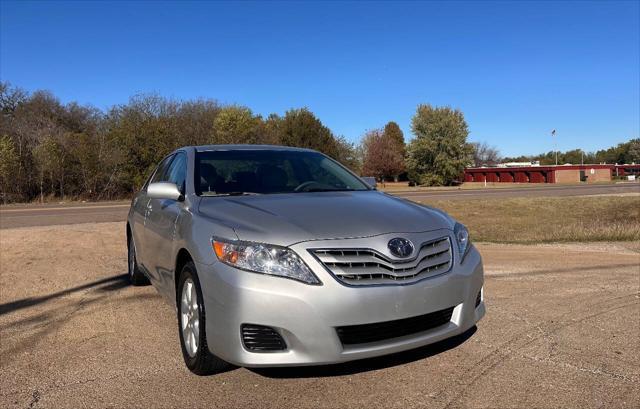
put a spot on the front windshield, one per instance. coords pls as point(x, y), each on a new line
point(238, 172)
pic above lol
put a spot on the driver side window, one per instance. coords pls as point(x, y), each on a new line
point(177, 172)
point(162, 171)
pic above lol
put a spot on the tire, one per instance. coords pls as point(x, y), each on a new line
point(192, 324)
point(136, 276)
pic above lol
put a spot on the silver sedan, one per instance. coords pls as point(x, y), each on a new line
point(276, 256)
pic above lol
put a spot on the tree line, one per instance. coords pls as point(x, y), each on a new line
point(623, 153)
point(53, 150)
point(49, 149)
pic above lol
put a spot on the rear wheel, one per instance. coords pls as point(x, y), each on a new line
point(191, 325)
point(136, 276)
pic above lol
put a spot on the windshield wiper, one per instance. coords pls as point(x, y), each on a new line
point(320, 189)
point(214, 194)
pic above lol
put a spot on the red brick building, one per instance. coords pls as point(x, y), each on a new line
point(550, 174)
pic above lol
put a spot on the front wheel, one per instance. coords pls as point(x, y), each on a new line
point(191, 325)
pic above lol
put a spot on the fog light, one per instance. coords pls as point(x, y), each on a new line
point(260, 338)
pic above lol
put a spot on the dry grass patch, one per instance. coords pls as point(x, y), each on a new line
point(548, 219)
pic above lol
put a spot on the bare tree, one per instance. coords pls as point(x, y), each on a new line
point(484, 154)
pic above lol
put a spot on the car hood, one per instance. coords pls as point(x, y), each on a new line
point(285, 219)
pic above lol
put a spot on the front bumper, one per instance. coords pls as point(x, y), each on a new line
point(306, 316)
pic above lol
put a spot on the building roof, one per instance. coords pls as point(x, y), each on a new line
point(544, 168)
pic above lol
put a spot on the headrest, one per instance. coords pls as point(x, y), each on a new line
point(208, 177)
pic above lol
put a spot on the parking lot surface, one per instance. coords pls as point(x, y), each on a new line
point(562, 330)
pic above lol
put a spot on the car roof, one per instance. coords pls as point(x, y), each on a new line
point(205, 148)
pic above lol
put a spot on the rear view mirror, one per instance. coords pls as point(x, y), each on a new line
point(370, 180)
point(164, 190)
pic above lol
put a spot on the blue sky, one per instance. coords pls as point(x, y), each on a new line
point(516, 69)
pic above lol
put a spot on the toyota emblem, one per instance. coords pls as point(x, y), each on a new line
point(400, 247)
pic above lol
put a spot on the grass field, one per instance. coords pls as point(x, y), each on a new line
point(536, 220)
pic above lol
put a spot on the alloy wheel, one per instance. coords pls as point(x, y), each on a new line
point(190, 317)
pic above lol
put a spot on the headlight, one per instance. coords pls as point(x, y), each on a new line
point(462, 239)
point(264, 259)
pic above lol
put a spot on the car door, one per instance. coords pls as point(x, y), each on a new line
point(138, 215)
point(160, 224)
point(141, 208)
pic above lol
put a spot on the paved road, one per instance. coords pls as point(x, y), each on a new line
point(55, 214)
point(558, 334)
point(537, 191)
point(48, 215)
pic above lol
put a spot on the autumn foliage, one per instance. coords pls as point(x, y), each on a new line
point(383, 153)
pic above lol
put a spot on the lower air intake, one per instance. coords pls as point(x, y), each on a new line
point(379, 331)
point(259, 338)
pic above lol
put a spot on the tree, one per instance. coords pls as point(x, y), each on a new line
point(633, 151)
point(301, 128)
point(439, 152)
point(195, 119)
point(47, 155)
point(10, 98)
point(144, 130)
point(50, 148)
point(483, 154)
point(347, 154)
point(574, 157)
point(8, 165)
point(235, 124)
point(627, 152)
point(392, 131)
point(273, 129)
point(382, 155)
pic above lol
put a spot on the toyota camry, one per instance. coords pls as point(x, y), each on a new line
point(277, 256)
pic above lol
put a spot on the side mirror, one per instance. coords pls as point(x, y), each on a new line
point(371, 181)
point(164, 190)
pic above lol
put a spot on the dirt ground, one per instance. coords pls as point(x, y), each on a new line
point(562, 330)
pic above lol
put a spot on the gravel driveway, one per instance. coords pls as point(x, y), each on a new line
point(562, 330)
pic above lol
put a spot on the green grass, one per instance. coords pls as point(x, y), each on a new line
point(539, 220)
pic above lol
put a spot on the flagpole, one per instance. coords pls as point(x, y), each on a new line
point(555, 143)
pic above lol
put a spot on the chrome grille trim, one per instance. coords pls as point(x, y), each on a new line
point(362, 267)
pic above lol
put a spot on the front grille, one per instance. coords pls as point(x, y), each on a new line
point(379, 331)
point(368, 267)
point(258, 338)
